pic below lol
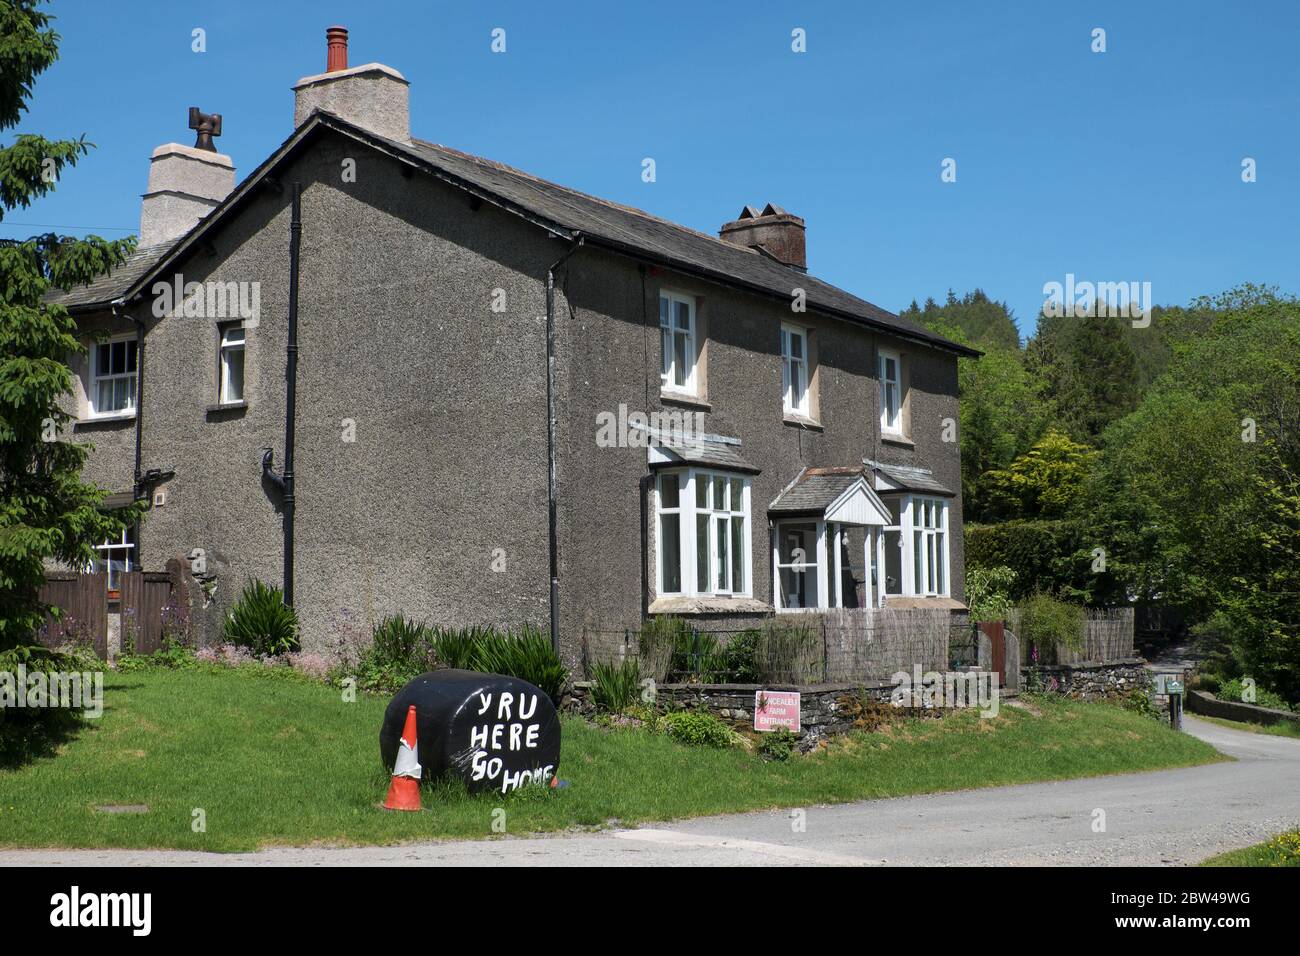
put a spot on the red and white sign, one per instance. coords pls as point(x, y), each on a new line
point(776, 708)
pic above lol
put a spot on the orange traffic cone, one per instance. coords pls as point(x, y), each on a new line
point(404, 792)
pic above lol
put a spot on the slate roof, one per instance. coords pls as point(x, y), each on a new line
point(707, 451)
point(114, 285)
point(910, 479)
point(566, 212)
point(814, 490)
point(637, 231)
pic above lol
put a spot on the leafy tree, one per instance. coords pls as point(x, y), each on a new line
point(983, 322)
point(1197, 496)
point(46, 511)
point(1089, 370)
point(1044, 482)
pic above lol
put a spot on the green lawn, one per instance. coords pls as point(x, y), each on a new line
point(1282, 850)
point(1284, 728)
point(272, 761)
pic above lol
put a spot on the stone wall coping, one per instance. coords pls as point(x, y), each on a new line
point(1266, 715)
point(1088, 665)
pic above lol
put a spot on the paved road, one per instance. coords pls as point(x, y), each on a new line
point(1166, 817)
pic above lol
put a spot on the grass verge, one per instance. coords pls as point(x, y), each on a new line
point(271, 761)
point(1282, 729)
point(1282, 850)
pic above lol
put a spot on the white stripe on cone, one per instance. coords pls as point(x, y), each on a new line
point(408, 761)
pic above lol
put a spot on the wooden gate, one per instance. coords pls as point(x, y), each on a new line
point(144, 595)
point(995, 632)
point(84, 601)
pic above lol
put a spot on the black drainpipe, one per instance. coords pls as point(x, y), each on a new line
point(291, 397)
point(139, 416)
point(551, 492)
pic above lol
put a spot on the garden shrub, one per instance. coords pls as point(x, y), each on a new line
point(790, 652)
point(657, 644)
point(616, 687)
point(27, 733)
point(988, 592)
point(697, 728)
point(740, 658)
point(777, 744)
point(526, 654)
point(1040, 552)
point(1235, 690)
point(262, 622)
point(399, 651)
point(1046, 623)
point(697, 657)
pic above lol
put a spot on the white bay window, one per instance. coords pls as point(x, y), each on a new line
point(702, 522)
point(916, 547)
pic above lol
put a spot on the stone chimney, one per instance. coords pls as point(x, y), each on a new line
point(773, 231)
point(374, 96)
point(185, 183)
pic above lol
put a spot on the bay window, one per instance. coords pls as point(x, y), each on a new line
point(916, 547)
point(702, 521)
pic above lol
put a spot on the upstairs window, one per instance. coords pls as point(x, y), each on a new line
point(677, 328)
point(232, 366)
point(113, 377)
point(891, 393)
point(794, 369)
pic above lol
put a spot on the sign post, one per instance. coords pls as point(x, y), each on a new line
point(1174, 689)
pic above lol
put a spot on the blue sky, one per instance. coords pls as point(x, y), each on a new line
point(1115, 166)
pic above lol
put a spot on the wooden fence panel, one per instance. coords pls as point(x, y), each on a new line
point(144, 595)
point(83, 599)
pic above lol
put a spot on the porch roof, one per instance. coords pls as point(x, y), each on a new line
point(711, 451)
point(834, 494)
point(905, 478)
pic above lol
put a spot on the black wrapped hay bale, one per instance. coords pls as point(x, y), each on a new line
point(496, 733)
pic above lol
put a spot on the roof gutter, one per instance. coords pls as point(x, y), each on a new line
point(552, 418)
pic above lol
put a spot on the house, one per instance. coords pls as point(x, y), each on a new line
point(392, 376)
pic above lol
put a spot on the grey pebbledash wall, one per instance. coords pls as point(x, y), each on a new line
point(609, 353)
point(438, 508)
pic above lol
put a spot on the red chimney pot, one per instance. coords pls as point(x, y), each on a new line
point(337, 55)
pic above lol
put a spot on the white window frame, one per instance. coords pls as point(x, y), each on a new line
point(98, 375)
point(935, 538)
point(891, 418)
point(233, 339)
point(669, 330)
point(690, 481)
point(795, 370)
point(929, 520)
point(829, 546)
point(818, 563)
point(105, 556)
